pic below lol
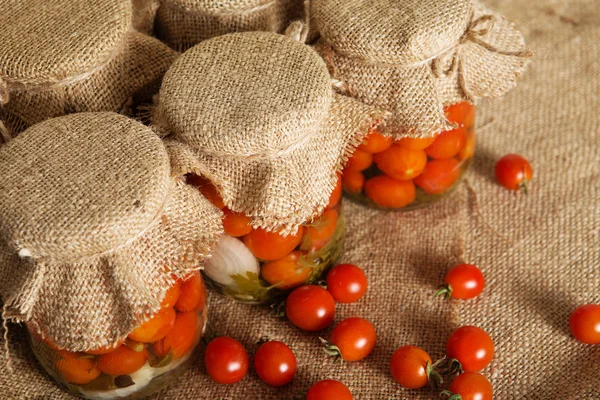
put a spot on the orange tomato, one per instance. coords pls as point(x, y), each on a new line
point(460, 112)
point(105, 349)
point(468, 149)
point(285, 272)
point(207, 189)
point(447, 144)
point(389, 192)
point(155, 328)
point(191, 292)
point(336, 195)
point(122, 361)
point(439, 175)
point(320, 234)
point(172, 295)
point(360, 160)
point(236, 224)
point(401, 163)
point(375, 142)
point(76, 368)
point(415, 143)
point(272, 245)
point(202, 301)
point(181, 338)
point(353, 181)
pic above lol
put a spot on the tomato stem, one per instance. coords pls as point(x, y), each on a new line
point(433, 377)
point(278, 309)
point(451, 395)
point(444, 290)
point(133, 345)
point(332, 350)
point(453, 366)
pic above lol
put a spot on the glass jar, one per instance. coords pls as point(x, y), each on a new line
point(152, 356)
point(412, 173)
point(260, 267)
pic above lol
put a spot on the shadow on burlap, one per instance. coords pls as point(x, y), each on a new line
point(540, 252)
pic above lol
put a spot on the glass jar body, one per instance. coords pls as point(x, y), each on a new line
point(410, 173)
point(153, 355)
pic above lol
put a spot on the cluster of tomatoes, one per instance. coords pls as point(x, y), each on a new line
point(310, 308)
point(172, 332)
point(387, 171)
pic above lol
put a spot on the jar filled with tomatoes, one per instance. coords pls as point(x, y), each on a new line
point(104, 276)
point(267, 138)
point(427, 65)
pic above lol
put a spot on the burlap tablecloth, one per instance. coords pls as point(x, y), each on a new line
point(540, 252)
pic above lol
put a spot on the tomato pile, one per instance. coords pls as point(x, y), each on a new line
point(409, 172)
point(166, 340)
point(283, 262)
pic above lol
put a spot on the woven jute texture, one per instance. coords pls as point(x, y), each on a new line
point(184, 23)
point(95, 228)
point(544, 264)
point(144, 13)
point(59, 58)
point(413, 57)
point(259, 111)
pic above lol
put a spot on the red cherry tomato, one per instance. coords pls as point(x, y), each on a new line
point(354, 338)
point(275, 363)
point(472, 347)
point(409, 367)
point(585, 323)
point(471, 386)
point(464, 281)
point(226, 360)
point(310, 308)
point(329, 389)
point(347, 283)
point(513, 172)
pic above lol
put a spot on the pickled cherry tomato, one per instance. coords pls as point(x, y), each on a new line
point(353, 181)
point(389, 192)
point(323, 229)
point(236, 224)
point(172, 295)
point(104, 350)
point(401, 163)
point(76, 368)
point(202, 298)
point(438, 175)
point(191, 292)
point(336, 195)
point(180, 340)
point(375, 142)
point(416, 143)
point(155, 328)
point(207, 189)
point(460, 112)
point(122, 361)
point(285, 272)
point(360, 160)
point(447, 144)
point(272, 245)
point(329, 389)
point(468, 149)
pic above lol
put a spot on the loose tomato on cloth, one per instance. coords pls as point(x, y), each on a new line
point(412, 368)
point(472, 347)
point(275, 363)
point(310, 308)
point(226, 360)
point(347, 283)
point(352, 339)
point(464, 281)
point(513, 172)
point(584, 324)
point(329, 389)
point(469, 386)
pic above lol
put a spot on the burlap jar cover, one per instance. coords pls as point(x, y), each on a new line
point(184, 23)
point(413, 57)
point(264, 125)
point(62, 57)
point(94, 228)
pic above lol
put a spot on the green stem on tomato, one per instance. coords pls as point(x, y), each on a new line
point(444, 290)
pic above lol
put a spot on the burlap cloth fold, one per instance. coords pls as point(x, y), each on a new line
point(58, 58)
point(543, 266)
point(95, 228)
point(259, 111)
point(413, 57)
point(184, 23)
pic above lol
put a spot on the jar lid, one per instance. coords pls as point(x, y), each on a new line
point(392, 31)
point(80, 185)
point(48, 41)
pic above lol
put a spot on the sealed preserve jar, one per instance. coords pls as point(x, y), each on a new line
point(266, 136)
point(185, 23)
point(62, 57)
point(427, 63)
point(101, 245)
